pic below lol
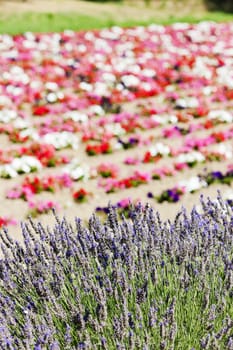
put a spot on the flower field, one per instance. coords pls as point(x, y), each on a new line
point(129, 131)
point(121, 115)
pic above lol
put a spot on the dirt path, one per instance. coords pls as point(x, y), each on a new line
point(131, 9)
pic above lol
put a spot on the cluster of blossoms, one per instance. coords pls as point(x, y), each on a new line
point(145, 95)
point(137, 178)
point(34, 185)
point(45, 154)
point(78, 171)
point(108, 170)
point(22, 165)
point(124, 283)
point(41, 207)
point(181, 162)
point(187, 152)
point(5, 221)
point(194, 184)
point(100, 148)
point(81, 195)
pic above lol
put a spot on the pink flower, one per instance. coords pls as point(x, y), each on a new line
point(180, 166)
point(42, 207)
point(142, 175)
point(131, 161)
point(13, 194)
point(125, 202)
point(108, 170)
point(65, 180)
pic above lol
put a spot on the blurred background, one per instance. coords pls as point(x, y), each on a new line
point(18, 16)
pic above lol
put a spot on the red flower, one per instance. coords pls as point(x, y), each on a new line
point(34, 184)
point(208, 124)
point(105, 147)
point(40, 110)
point(92, 150)
point(3, 222)
point(15, 136)
point(148, 158)
point(219, 136)
point(80, 195)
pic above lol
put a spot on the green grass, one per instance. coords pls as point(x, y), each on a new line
point(57, 22)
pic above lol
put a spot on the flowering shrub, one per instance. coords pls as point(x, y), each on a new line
point(128, 283)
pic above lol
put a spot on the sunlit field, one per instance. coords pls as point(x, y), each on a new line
point(116, 173)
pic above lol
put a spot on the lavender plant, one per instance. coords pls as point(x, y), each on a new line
point(135, 283)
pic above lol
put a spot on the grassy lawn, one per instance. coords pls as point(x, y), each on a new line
point(45, 18)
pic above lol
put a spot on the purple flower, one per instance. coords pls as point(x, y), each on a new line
point(217, 175)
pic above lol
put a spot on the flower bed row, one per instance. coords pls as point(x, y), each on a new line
point(72, 95)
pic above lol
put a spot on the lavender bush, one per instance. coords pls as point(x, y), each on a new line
point(136, 283)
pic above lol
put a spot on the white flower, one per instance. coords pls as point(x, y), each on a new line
point(118, 146)
point(6, 171)
point(20, 123)
point(156, 28)
point(189, 102)
point(190, 157)
point(61, 140)
point(32, 133)
point(7, 115)
point(180, 26)
point(51, 97)
point(149, 73)
point(77, 171)
point(173, 119)
point(225, 150)
point(25, 164)
point(116, 129)
point(130, 80)
point(221, 115)
point(109, 77)
point(159, 148)
point(224, 76)
point(76, 116)
point(146, 86)
point(5, 101)
point(207, 90)
point(85, 86)
point(193, 184)
point(96, 109)
point(100, 89)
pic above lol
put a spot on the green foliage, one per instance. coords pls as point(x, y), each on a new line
point(57, 22)
point(220, 5)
